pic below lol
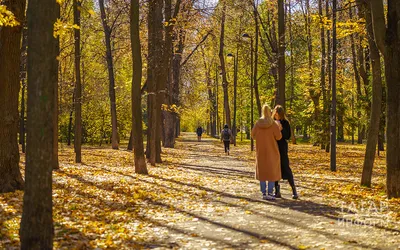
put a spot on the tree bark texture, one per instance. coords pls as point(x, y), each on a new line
point(78, 85)
point(23, 82)
point(388, 41)
point(110, 67)
point(36, 231)
point(10, 54)
point(281, 54)
point(137, 129)
point(373, 130)
point(223, 67)
point(255, 72)
point(392, 73)
point(154, 75)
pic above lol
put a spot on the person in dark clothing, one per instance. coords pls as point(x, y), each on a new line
point(226, 138)
point(287, 174)
point(199, 132)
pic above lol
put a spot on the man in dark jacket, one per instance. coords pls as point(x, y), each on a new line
point(199, 132)
point(226, 134)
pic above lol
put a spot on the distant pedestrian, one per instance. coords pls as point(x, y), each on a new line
point(279, 115)
point(199, 132)
point(226, 135)
point(266, 132)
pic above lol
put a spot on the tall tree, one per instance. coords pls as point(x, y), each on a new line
point(23, 83)
point(137, 130)
point(168, 128)
point(78, 84)
point(387, 38)
point(170, 112)
point(325, 117)
point(313, 90)
point(55, 120)
point(358, 80)
point(154, 75)
point(36, 231)
point(255, 72)
point(281, 53)
point(329, 75)
point(176, 74)
point(292, 70)
point(373, 130)
point(10, 51)
point(110, 67)
point(221, 55)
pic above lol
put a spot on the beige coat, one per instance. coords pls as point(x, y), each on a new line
point(268, 164)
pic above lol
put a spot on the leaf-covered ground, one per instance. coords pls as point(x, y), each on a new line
point(201, 198)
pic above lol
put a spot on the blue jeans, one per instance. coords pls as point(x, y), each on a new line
point(263, 186)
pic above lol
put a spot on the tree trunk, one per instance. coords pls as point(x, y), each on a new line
point(36, 230)
point(22, 118)
point(324, 115)
point(130, 143)
point(235, 80)
point(388, 42)
point(340, 116)
point(292, 73)
point(223, 68)
point(137, 130)
point(110, 68)
point(255, 72)
point(10, 54)
point(155, 48)
point(281, 54)
point(382, 122)
point(176, 73)
point(169, 114)
point(392, 66)
point(313, 90)
point(358, 82)
point(78, 85)
point(329, 74)
point(23, 80)
point(168, 132)
point(373, 130)
point(70, 119)
point(55, 120)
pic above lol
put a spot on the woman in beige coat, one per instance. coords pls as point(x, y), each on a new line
point(268, 166)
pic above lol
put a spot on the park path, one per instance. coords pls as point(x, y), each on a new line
point(235, 216)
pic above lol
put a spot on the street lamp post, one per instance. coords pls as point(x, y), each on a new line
point(247, 36)
point(234, 130)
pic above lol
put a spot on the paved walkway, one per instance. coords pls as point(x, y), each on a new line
point(235, 216)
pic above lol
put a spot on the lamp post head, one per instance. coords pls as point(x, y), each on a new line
point(230, 55)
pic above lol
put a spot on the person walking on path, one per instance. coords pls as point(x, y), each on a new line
point(226, 134)
point(268, 166)
point(199, 132)
point(279, 115)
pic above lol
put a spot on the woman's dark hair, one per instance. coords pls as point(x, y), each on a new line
point(226, 126)
point(281, 112)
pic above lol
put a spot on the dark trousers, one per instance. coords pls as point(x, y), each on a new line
point(226, 145)
point(291, 182)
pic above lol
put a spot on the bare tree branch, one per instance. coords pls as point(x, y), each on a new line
point(197, 46)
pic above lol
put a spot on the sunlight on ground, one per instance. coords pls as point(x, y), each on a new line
point(102, 203)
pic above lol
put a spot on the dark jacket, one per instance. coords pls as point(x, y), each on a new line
point(283, 150)
point(199, 131)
